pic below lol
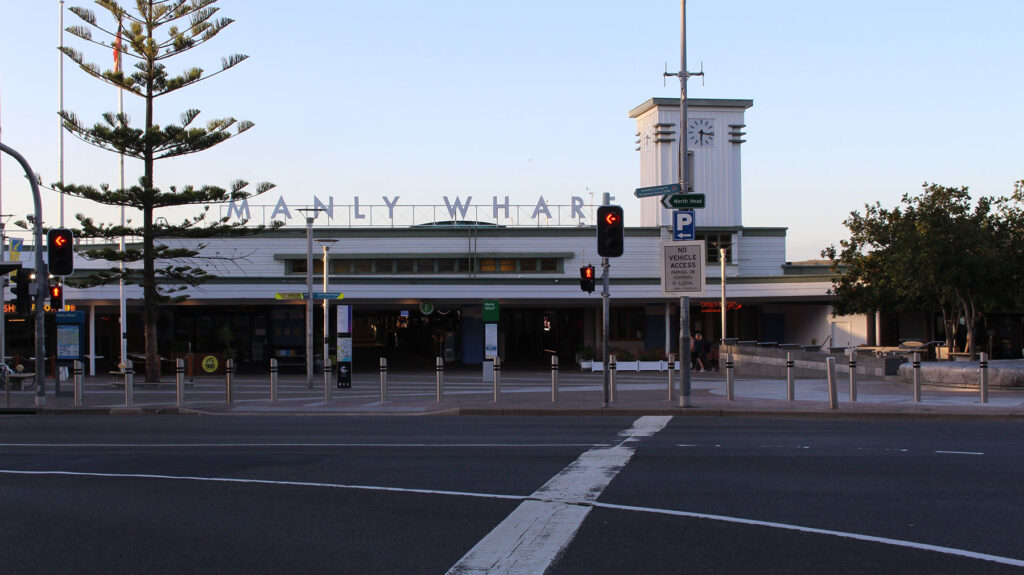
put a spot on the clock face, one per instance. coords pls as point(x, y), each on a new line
point(700, 132)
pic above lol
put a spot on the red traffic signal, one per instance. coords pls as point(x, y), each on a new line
point(57, 297)
point(587, 278)
point(60, 247)
point(610, 227)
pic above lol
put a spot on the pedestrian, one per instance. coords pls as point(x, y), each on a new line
point(695, 357)
point(701, 351)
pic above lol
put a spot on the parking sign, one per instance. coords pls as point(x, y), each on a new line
point(682, 225)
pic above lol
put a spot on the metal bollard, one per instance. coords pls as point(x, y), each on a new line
point(790, 381)
point(229, 374)
point(179, 381)
point(554, 378)
point(833, 397)
point(671, 378)
point(983, 383)
point(383, 379)
point(327, 379)
point(730, 378)
point(497, 375)
point(611, 377)
point(78, 377)
point(853, 375)
point(129, 383)
point(273, 379)
point(917, 377)
point(439, 368)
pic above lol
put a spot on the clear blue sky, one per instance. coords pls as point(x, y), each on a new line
point(853, 101)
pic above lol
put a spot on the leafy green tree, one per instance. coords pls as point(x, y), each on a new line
point(150, 35)
point(938, 250)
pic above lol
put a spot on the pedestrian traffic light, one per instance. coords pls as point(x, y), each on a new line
point(60, 245)
point(20, 289)
point(609, 231)
point(587, 278)
point(57, 297)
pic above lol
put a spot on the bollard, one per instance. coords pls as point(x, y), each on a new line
point(273, 379)
point(853, 375)
point(983, 383)
point(383, 379)
point(671, 378)
point(554, 378)
point(917, 377)
point(611, 377)
point(77, 369)
point(129, 383)
point(497, 374)
point(730, 378)
point(229, 375)
point(790, 382)
point(327, 379)
point(833, 398)
point(439, 368)
point(179, 381)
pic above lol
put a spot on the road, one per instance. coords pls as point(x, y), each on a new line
point(612, 494)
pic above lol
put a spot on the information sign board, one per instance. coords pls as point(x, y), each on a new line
point(683, 268)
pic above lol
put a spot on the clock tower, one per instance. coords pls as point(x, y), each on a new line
point(714, 133)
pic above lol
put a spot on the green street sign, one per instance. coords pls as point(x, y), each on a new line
point(683, 201)
point(491, 311)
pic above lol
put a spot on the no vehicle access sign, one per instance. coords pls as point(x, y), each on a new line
point(683, 268)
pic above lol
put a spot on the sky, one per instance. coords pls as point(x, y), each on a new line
point(854, 102)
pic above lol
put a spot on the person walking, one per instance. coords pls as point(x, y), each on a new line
point(700, 351)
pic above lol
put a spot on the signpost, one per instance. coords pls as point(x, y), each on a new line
point(683, 201)
point(661, 190)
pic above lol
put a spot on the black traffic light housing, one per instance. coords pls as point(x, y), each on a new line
point(609, 231)
point(60, 245)
point(20, 289)
point(587, 279)
point(57, 297)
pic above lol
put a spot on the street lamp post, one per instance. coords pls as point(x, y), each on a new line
point(309, 292)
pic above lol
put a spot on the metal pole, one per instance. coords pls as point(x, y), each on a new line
point(853, 375)
point(497, 372)
point(273, 379)
point(383, 379)
point(721, 260)
point(496, 382)
point(229, 372)
point(684, 301)
point(179, 381)
point(671, 378)
point(605, 328)
point(833, 398)
point(77, 367)
point(129, 383)
point(611, 375)
point(309, 302)
point(790, 382)
point(327, 378)
point(439, 369)
point(327, 324)
point(983, 383)
point(554, 378)
point(917, 377)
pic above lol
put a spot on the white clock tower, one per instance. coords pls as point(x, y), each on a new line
point(714, 135)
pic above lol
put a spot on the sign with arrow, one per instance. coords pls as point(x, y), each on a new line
point(683, 201)
point(658, 190)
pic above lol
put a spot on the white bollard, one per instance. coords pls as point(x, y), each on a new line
point(554, 378)
point(179, 382)
point(790, 381)
point(730, 378)
point(273, 379)
point(983, 383)
point(383, 379)
point(833, 398)
point(129, 383)
point(917, 377)
point(78, 382)
point(439, 369)
point(853, 375)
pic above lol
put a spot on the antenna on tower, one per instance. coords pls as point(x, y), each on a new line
point(666, 74)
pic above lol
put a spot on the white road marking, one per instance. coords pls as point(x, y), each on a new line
point(961, 452)
point(236, 445)
point(537, 532)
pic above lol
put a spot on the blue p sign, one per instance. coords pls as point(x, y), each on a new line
point(682, 225)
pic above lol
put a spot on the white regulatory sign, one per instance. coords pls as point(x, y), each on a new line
point(683, 268)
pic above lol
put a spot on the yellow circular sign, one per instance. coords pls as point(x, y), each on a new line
point(210, 363)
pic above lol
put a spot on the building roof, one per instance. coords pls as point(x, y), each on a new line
point(690, 103)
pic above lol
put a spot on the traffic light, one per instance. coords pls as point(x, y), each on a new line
point(587, 278)
point(609, 231)
point(60, 245)
point(20, 289)
point(57, 297)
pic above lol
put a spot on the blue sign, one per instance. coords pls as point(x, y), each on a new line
point(662, 190)
point(683, 228)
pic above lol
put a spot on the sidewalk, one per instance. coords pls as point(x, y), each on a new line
point(525, 393)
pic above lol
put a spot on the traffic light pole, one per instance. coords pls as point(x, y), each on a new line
point(605, 352)
point(40, 335)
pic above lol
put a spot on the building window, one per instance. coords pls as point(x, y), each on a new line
point(429, 266)
point(626, 323)
point(714, 243)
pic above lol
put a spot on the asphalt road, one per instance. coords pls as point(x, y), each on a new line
point(255, 494)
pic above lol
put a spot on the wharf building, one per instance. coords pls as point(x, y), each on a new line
point(417, 277)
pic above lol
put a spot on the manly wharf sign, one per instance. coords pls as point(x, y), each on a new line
point(391, 213)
